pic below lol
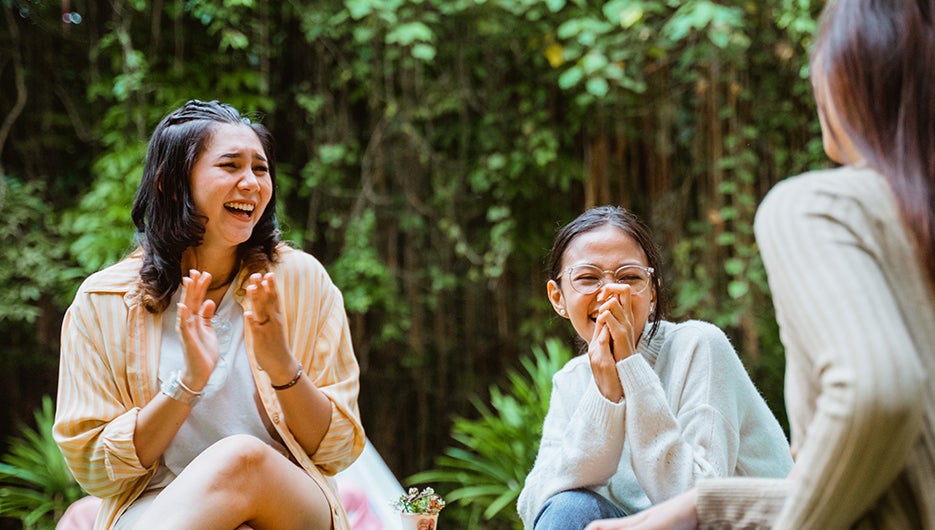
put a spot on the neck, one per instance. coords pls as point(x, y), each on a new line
point(221, 265)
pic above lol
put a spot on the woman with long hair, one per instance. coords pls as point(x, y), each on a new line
point(850, 254)
point(207, 380)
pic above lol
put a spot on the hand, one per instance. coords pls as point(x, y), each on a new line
point(199, 341)
point(268, 328)
point(604, 365)
point(677, 513)
point(614, 339)
point(616, 313)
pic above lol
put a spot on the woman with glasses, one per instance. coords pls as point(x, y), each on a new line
point(653, 405)
point(850, 254)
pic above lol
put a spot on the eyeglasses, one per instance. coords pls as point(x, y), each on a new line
point(587, 279)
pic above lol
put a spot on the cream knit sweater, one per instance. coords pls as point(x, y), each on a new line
point(857, 318)
point(690, 412)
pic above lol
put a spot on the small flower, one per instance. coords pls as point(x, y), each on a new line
point(415, 501)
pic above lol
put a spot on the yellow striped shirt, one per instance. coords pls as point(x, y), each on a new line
point(109, 367)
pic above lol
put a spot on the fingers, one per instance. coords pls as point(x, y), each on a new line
point(616, 313)
point(263, 297)
point(194, 296)
point(618, 302)
point(196, 287)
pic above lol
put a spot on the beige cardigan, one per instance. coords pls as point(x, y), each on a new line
point(857, 319)
point(109, 367)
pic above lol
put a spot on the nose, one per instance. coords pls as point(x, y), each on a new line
point(249, 181)
point(607, 278)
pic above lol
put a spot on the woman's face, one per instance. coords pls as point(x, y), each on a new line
point(608, 248)
point(231, 184)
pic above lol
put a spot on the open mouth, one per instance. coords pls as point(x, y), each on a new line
point(244, 210)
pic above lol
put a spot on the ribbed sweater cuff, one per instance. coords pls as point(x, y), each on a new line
point(740, 502)
point(635, 374)
point(602, 412)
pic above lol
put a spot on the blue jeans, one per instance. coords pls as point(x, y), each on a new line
point(574, 509)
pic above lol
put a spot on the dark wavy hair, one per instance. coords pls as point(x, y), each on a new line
point(631, 225)
point(876, 58)
point(167, 222)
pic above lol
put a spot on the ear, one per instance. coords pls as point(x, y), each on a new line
point(556, 297)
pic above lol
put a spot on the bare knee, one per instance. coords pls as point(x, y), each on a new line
point(235, 462)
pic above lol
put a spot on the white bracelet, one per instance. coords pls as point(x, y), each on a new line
point(179, 391)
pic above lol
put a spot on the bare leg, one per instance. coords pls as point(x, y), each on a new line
point(239, 483)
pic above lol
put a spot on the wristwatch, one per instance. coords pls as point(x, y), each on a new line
point(177, 390)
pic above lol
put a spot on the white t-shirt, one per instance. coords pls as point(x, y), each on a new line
point(229, 404)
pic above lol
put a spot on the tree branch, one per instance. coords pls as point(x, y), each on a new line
point(21, 93)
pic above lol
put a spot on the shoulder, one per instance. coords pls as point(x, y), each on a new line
point(691, 332)
point(303, 280)
point(295, 262)
point(576, 369)
point(847, 194)
point(691, 342)
point(119, 278)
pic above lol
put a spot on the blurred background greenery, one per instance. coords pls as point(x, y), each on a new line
point(428, 150)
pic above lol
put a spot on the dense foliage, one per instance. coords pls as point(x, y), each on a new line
point(484, 470)
point(428, 149)
point(35, 485)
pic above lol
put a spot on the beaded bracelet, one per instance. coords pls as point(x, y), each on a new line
point(290, 384)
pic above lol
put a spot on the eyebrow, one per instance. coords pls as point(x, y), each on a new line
point(236, 155)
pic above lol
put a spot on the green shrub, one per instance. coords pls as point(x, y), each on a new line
point(495, 451)
point(35, 485)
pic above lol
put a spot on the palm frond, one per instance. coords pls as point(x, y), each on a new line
point(494, 451)
point(35, 484)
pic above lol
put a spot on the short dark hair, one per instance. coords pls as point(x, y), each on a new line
point(625, 220)
point(875, 58)
point(164, 212)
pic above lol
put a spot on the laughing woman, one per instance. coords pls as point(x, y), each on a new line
point(653, 406)
point(208, 381)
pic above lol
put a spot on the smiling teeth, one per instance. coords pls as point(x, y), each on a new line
point(240, 206)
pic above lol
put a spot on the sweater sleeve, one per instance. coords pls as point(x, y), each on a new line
point(689, 428)
point(859, 409)
point(582, 439)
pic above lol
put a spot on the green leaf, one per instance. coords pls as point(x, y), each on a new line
point(359, 8)
point(738, 288)
point(570, 77)
point(631, 15)
point(409, 33)
point(425, 52)
point(555, 5)
point(734, 266)
point(593, 62)
point(598, 86)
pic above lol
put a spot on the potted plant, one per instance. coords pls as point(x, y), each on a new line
point(419, 509)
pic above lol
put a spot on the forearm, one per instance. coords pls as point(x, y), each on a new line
point(307, 411)
point(156, 426)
